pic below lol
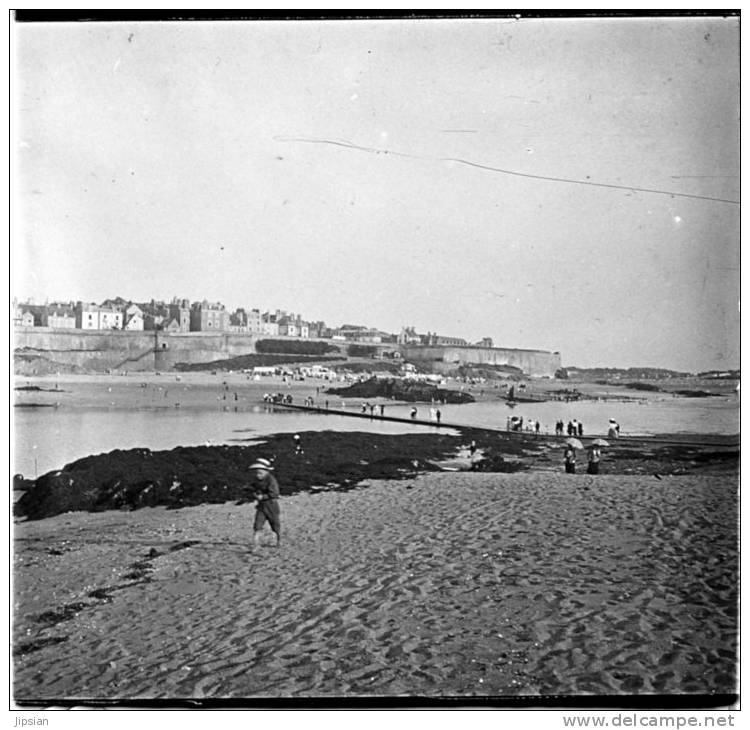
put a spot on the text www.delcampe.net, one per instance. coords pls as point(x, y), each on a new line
point(636, 720)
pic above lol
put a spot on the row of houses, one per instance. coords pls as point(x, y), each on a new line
point(181, 315)
point(120, 314)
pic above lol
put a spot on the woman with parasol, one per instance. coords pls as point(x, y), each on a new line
point(570, 455)
point(595, 455)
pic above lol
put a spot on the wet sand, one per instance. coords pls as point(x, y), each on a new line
point(450, 584)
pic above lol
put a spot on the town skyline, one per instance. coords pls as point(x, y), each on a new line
point(467, 177)
point(180, 314)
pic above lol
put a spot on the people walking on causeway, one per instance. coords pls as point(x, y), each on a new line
point(570, 460)
point(382, 409)
point(537, 427)
point(265, 490)
point(413, 413)
point(614, 429)
point(437, 415)
point(580, 429)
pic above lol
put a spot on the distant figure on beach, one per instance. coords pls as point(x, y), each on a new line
point(614, 429)
point(437, 415)
point(472, 448)
point(413, 413)
point(298, 444)
point(382, 409)
point(265, 490)
point(537, 427)
point(580, 429)
point(364, 408)
point(570, 460)
point(570, 428)
point(326, 405)
point(372, 410)
point(595, 456)
point(432, 414)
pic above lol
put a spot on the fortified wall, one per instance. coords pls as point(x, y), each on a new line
point(120, 350)
point(537, 363)
point(99, 351)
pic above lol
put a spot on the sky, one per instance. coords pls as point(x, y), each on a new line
point(360, 172)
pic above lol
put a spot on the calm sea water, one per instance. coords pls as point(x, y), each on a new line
point(45, 439)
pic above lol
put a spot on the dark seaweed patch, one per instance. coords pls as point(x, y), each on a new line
point(28, 646)
point(65, 613)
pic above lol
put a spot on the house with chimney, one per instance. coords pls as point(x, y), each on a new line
point(91, 316)
point(179, 309)
point(208, 316)
point(133, 318)
point(59, 316)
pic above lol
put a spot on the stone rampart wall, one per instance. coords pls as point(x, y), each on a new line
point(537, 363)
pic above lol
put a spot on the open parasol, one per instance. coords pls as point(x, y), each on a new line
point(575, 443)
point(599, 442)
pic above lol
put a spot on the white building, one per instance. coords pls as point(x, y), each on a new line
point(94, 317)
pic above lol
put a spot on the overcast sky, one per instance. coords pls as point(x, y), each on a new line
point(198, 160)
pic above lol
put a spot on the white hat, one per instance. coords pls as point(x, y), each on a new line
point(261, 464)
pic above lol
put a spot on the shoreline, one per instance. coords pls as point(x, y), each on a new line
point(135, 478)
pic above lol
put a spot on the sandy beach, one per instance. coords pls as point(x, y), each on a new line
point(447, 585)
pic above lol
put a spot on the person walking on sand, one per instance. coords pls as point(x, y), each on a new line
point(437, 415)
point(413, 413)
point(570, 460)
point(595, 456)
point(265, 489)
point(580, 429)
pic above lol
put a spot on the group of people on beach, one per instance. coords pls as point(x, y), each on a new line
point(264, 488)
point(594, 458)
point(277, 398)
